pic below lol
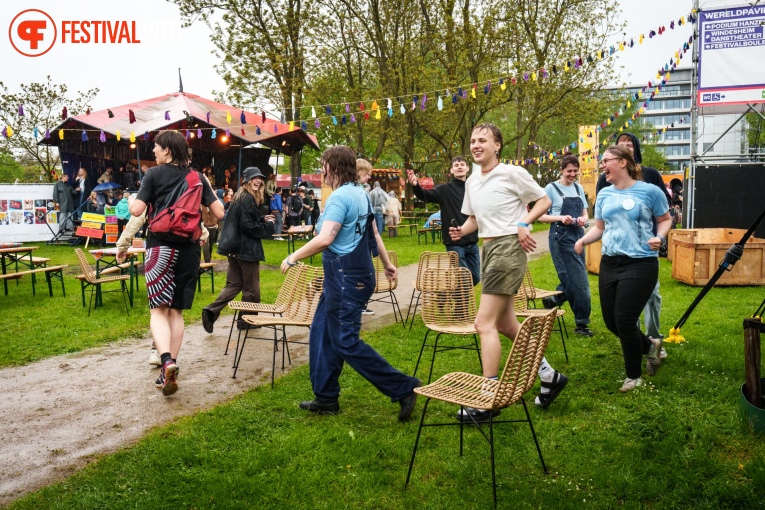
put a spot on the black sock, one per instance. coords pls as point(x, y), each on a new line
point(165, 356)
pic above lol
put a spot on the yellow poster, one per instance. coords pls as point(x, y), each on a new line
point(100, 218)
point(588, 159)
point(91, 224)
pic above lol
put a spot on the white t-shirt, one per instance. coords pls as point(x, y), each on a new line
point(499, 198)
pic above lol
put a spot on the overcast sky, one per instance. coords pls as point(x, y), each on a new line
point(126, 73)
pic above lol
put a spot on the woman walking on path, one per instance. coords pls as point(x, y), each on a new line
point(241, 242)
point(568, 215)
point(629, 268)
point(347, 236)
point(171, 267)
point(496, 200)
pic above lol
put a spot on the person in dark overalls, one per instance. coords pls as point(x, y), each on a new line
point(568, 216)
point(348, 238)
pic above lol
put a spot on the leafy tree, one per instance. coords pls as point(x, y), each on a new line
point(10, 169)
point(42, 105)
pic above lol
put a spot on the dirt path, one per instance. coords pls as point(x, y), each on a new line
point(61, 413)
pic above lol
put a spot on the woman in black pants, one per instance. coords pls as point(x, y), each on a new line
point(629, 267)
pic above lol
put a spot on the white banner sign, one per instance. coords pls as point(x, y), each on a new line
point(731, 53)
point(26, 213)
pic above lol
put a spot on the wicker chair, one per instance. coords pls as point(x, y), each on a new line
point(91, 280)
point(521, 301)
point(299, 312)
point(448, 308)
point(278, 307)
point(468, 390)
point(436, 259)
point(385, 286)
point(533, 293)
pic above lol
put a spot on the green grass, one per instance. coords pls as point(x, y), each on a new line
point(674, 443)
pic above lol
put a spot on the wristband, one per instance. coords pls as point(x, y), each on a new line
point(522, 224)
point(291, 264)
point(663, 239)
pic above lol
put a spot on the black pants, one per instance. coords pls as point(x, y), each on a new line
point(208, 247)
point(625, 285)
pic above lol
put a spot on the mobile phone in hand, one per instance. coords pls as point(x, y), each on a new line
point(454, 223)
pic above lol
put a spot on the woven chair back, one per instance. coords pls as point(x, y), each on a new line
point(521, 299)
point(437, 260)
point(528, 286)
point(90, 274)
point(309, 285)
point(382, 284)
point(524, 359)
point(448, 297)
point(287, 290)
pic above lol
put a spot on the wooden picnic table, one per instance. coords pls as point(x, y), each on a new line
point(107, 258)
point(13, 256)
point(296, 232)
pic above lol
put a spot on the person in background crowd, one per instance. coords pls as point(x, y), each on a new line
point(652, 310)
point(496, 203)
point(64, 197)
point(433, 219)
point(210, 222)
point(171, 268)
point(207, 170)
point(450, 196)
point(625, 214)
point(294, 209)
point(270, 187)
point(379, 200)
point(92, 205)
point(83, 189)
point(315, 208)
point(123, 213)
point(132, 179)
point(277, 211)
point(305, 216)
point(568, 215)
point(347, 236)
point(363, 173)
point(393, 213)
point(106, 176)
point(240, 241)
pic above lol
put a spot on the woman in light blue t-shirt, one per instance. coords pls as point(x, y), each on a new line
point(347, 235)
point(629, 267)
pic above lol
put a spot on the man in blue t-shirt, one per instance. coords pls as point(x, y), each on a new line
point(277, 210)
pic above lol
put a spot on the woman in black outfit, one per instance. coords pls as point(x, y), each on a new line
point(240, 241)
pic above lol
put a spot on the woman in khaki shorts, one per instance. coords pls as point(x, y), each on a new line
point(496, 200)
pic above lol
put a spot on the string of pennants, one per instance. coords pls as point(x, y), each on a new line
point(587, 156)
point(375, 109)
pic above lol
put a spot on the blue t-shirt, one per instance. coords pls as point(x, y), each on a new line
point(276, 203)
point(433, 217)
point(628, 215)
point(348, 205)
point(568, 191)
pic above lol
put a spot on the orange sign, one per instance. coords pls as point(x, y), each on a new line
point(90, 232)
point(111, 229)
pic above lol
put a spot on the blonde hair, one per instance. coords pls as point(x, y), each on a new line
point(363, 167)
point(246, 188)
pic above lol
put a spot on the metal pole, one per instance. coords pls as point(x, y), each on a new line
point(239, 176)
point(690, 184)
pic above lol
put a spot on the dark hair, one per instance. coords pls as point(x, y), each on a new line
point(569, 159)
point(458, 158)
point(176, 143)
point(194, 166)
point(310, 192)
point(624, 153)
point(341, 165)
point(130, 166)
point(495, 132)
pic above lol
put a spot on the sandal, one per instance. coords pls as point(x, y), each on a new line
point(559, 382)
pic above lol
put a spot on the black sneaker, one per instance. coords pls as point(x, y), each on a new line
point(321, 406)
point(479, 415)
point(559, 382)
point(582, 329)
point(208, 319)
point(407, 404)
point(548, 302)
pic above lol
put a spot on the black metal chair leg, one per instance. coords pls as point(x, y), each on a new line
point(241, 351)
point(478, 350)
point(493, 470)
point(414, 313)
point(533, 434)
point(433, 358)
point(424, 341)
point(416, 442)
point(231, 332)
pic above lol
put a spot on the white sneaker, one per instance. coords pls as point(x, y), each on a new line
point(367, 311)
point(279, 238)
point(631, 384)
point(154, 358)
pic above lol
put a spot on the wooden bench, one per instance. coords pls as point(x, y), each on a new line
point(206, 268)
point(50, 273)
point(40, 261)
point(412, 227)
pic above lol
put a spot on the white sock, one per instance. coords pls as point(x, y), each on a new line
point(546, 374)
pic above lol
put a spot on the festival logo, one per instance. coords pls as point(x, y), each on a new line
point(32, 33)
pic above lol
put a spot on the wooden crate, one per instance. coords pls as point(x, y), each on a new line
point(695, 262)
point(702, 236)
point(592, 257)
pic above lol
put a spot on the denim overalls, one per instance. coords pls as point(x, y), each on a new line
point(349, 281)
point(570, 266)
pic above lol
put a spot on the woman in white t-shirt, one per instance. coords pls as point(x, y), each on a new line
point(496, 200)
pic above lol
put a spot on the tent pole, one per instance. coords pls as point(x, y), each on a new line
point(239, 177)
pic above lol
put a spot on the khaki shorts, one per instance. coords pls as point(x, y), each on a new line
point(503, 264)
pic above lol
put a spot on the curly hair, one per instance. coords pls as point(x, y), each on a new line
point(340, 162)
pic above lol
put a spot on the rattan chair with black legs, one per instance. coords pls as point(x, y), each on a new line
point(468, 390)
point(533, 293)
point(278, 307)
point(448, 308)
point(428, 259)
point(386, 287)
point(520, 301)
point(95, 283)
point(299, 313)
